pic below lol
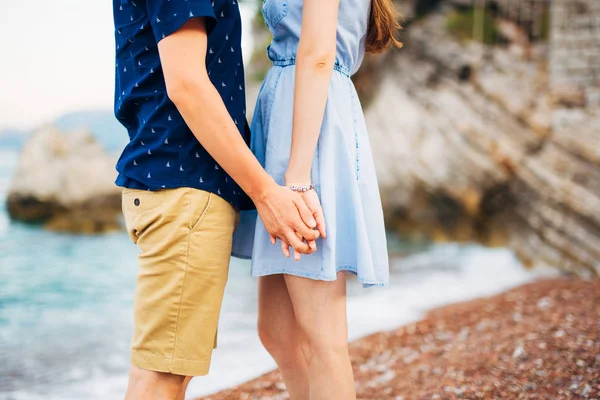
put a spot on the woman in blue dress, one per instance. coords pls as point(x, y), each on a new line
point(310, 135)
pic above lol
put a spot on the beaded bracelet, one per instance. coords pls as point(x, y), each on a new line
point(302, 188)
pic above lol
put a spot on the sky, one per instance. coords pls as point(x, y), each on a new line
point(56, 57)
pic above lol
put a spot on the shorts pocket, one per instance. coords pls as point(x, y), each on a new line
point(141, 208)
point(135, 201)
point(199, 205)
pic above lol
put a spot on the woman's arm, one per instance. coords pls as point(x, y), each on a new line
point(314, 65)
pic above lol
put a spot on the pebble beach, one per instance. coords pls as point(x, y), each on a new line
point(537, 341)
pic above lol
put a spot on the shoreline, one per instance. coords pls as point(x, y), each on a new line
point(539, 340)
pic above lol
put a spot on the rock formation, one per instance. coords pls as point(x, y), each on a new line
point(494, 143)
point(66, 182)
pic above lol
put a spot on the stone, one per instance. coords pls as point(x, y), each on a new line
point(65, 181)
point(496, 158)
point(569, 95)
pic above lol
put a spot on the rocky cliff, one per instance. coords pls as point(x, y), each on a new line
point(500, 143)
point(65, 181)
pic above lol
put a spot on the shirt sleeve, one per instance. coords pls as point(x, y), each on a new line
point(167, 16)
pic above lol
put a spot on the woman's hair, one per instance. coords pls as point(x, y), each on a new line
point(384, 24)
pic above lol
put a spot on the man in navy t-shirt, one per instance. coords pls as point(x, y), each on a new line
point(179, 91)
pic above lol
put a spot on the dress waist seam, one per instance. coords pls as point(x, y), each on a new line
point(292, 61)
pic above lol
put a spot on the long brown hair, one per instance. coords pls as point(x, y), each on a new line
point(384, 24)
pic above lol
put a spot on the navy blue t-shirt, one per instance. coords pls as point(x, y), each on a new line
point(163, 153)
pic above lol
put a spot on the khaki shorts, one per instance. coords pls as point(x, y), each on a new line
point(184, 236)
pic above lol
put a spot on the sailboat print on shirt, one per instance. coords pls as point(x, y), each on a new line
point(168, 164)
point(201, 181)
point(197, 155)
point(149, 176)
point(181, 168)
point(167, 141)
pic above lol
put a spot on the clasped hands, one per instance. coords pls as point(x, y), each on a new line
point(296, 219)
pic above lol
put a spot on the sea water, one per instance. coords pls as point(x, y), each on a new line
point(66, 307)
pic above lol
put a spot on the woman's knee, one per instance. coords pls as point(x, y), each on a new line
point(267, 335)
point(279, 341)
point(323, 342)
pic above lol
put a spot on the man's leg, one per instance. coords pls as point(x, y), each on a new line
point(183, 389)
point(185, 240)
point(151, 385)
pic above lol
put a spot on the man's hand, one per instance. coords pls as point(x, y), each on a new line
point(287, 217)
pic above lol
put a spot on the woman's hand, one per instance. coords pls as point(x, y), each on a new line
point(311, 199)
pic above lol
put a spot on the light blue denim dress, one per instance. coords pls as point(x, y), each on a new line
point(342, 168)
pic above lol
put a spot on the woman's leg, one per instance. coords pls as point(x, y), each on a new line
point(320, 309)
point(280, 334)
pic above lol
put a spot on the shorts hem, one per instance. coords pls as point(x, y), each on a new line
point(175, 366)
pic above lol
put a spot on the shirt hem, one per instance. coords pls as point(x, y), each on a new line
point(241, 205)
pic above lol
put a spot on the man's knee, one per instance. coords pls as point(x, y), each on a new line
point(160, 381)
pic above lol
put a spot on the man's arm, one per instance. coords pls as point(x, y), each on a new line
point(183, 59)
